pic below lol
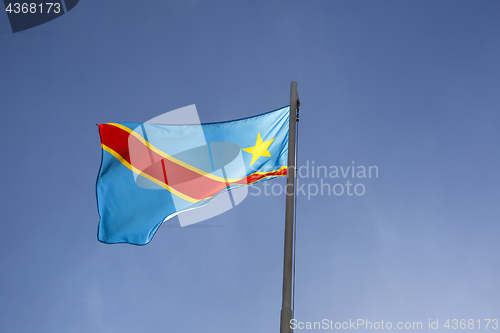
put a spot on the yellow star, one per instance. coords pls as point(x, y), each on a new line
point(260, 149)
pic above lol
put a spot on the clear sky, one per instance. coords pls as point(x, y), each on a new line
point(411, 87)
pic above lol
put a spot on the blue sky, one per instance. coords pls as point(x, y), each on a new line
point(411, 87)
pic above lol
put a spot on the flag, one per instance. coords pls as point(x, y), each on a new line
point(149, 172)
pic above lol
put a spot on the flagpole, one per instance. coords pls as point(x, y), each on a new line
point(286, 308)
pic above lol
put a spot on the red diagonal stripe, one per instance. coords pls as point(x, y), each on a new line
point(179, 177)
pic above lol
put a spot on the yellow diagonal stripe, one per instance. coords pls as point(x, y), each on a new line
point(168, 188)
point(170, 158)
point(145, 175)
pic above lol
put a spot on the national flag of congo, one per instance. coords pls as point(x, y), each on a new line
point(150, 172)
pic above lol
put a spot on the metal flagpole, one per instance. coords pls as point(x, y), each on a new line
point(286, 308)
